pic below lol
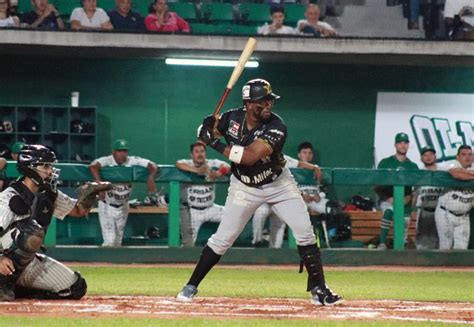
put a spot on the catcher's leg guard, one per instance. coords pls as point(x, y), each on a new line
point(75, 292)
point(28, 240)
point(311, 257)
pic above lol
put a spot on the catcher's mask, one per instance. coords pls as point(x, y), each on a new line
point(32, 156)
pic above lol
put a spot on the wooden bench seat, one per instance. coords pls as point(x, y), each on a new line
point(366, 226)
point(141, 209)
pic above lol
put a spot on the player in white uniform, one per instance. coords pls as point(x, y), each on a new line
point(452, 211)
point(26, 209)
point(315, 200)
point(426, 198)
point(199, 198)
point(113, 209)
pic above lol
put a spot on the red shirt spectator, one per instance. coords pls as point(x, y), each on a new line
point(161, 20)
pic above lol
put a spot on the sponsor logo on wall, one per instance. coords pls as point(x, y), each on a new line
point(443, 121)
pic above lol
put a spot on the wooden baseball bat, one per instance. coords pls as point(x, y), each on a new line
point(244, 57)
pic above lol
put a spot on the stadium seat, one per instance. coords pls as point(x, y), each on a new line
point(185, 10)
point(209, 29)
point(293, 13)
point(65, 7)
point(255, 13)
point(217, 12)
point(243, 30)
point(24, 6)
point(141, 6)
point(107, 5)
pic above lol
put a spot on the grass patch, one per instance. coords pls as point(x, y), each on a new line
point(229, 282)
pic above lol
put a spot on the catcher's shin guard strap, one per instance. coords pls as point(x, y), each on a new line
point(207, 260)
point(311, 257)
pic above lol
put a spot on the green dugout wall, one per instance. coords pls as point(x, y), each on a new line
point(157, 107)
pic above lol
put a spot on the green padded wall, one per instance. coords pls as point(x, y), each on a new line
point(157, 107)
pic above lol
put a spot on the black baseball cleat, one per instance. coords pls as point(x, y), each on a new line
point(324, 296)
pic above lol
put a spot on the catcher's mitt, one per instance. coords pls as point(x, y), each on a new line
point(88, 194)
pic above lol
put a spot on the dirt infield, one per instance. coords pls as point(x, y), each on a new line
point(239, 308)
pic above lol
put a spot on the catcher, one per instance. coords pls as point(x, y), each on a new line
point(26, 209)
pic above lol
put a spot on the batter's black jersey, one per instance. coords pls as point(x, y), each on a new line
point(232, 125)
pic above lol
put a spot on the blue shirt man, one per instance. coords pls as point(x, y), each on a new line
point(124, 19)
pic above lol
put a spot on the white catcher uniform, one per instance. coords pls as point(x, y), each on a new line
point(43, 273)
point(452, 216)
point(277, 226)
point(113, 211)
point(199, 199)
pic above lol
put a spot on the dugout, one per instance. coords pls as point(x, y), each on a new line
point(329, 88)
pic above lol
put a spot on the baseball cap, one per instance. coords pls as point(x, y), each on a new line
point(426, 149)
point(401, 137)
point(17, 147)
point(120, 144)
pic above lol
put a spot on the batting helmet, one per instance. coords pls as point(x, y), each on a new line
point(33, 155)
point(258, 89)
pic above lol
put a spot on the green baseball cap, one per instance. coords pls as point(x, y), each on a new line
point(401, 137)
point(426, 149)
point(120, 144)
point(16, 148)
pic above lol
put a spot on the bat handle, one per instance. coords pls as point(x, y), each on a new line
point(219, 107)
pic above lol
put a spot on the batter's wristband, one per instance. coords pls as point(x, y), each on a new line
point(218, 146)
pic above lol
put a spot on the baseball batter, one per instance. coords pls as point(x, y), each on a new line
point(199, 199)
point(255, 138)
point(399, 161)
point(314, 199)
point(426, 198)
point(452, 211)
point(26, 209)
point(113, 209)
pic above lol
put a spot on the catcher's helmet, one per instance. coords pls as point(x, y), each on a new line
point(33, 155)
point(258, 89)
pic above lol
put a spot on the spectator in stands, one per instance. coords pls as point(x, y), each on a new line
point(44, 15)
point(312, 25)
point(5, 19)
point(90, 17)
point(276, 27)
point(123, 18)
point(162, 20)
point(198, 205)
point(459, 18)
point(414, 15)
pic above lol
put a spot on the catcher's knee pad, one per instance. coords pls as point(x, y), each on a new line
point(30, 235)
point(311, 259)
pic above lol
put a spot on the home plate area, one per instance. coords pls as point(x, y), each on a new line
point(243, 308)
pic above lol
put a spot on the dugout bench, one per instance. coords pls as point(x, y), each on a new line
point(336, 176)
